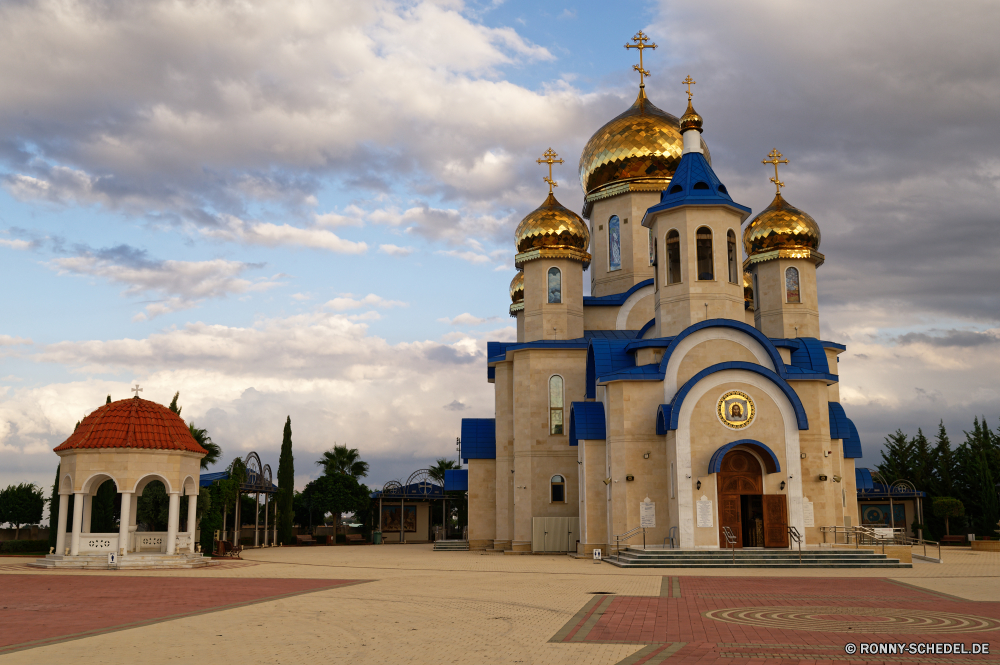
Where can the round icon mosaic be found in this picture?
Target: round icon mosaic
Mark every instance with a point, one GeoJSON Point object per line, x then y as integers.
{"type": "Point", "coordinates": [736, 410]}
{"type": "Point", "coordinates": [855, 619]}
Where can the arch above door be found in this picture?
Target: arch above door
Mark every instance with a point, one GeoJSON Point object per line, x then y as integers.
{"type": "Point", "coordinates": [771, 464]}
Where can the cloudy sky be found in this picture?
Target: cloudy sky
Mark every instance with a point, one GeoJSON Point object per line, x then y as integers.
{"type": "Point", "coordinates": [300, 208]}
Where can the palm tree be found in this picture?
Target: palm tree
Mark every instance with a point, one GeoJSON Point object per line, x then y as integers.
{"type": "Point", "coordinates": [205, 441]}
{"type": "Point", "coordinates": [341, 459]}
{"type": "Point", "coordinates": [437, 471]}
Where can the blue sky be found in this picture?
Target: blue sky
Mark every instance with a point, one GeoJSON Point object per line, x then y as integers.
{"type": "Point", "coordinates": [288, 208]}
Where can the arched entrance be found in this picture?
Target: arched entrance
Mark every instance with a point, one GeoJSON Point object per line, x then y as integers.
{"type": "Point", "coordinates": [757, 519]}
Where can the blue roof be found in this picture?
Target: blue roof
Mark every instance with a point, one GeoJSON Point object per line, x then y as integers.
{"type": "Point", "coordinates": [810, 355]}
{"type": "Point", "coordinates": [615, 299]}
{"type": "Point", "coordinates": [869, 489]}
{"type": "Point", "coordinates": [586, 421]}
{"type": "Point", "coordinates": [208, 478]}
{"type": "Point", "coordinates": [479, 438]}
{"type": "Point", "coordinates": [646, 328]}
{"type": "Point", "coordinates": [863, 480]}
{"type": "Point", "coordinates": [456, 480]}
{"type": "Point", "coordinates": [422, 490]}
{"type": "Point", "coordinates": [694, 183]}
{"type": "Point", "coordinates": [842, 427]}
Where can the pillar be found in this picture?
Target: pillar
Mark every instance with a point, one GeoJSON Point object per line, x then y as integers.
{"type": "Point", "coordinates": [63, 514]}
{"type": "Point", "coordinates": [123, 525]}
{"type": "Point", "coordinates": [172, 518]}
{"type": "Point", "coordinates": [266, 497]}
{"type": "Point", "coordinates": [74, 546]}
{"type": "Point", "coordinates": [88, 504]}
{"type": "Point", "coordinates": [191, 525]}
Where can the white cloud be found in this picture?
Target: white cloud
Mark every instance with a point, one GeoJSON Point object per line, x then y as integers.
{"type": "Point", "coordinates": [272, 235]}
{"type": "Point", "coordinates": [7, 340]}
{"type": "Point", "coordinates": [467, 319]}
{"type": "Point", "coordinates": [395, 250]}
{"type": "Point", "coordinates": [15, 244]}
{"type": "Point", "coordinates": [353, 216]}
{"type": "Point", "coordinates": [348, 302]}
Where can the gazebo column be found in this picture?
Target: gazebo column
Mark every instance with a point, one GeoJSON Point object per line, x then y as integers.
{"type": "Point", "coordinates": [123, 525]}
{"type": "Point", "coordinates": [192, 509]}
{"type": "Point", "coordinates": [63, 514]}
{"type": "Point", "coordinates": [88, 504]}
{"type": "Point", "coordinates": [74, 543]}
{"type": "Point", "coordinates": [266, 495]}
{"type": "Point", "coordinates": [172, 519]}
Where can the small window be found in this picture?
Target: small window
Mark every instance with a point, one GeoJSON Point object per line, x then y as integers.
{"type": "Point", "coordinates": [555, 285]}
{"type": "Point", "coordinates": [722, 188]}
{"type": "Point", "coordinates": [652, 248]}
{"type": "Point", "coordinates": [673, 258]}
{"type": "Point", "coordinates": [731, 245]}
{"type": "Point", "coordinates": [792, 285]}
{"type": "Point", "coordinates": [558, 485]}
{"type": "Point", "coordinates": [614, 244]}
{"type": "Point", "coordinates": [556, 405]}
{"type": "Point", "coordinates": [701, 185]}
{"type": "Point", "coordinates": [676, 189]}
{"type": "Point", "coordinates": [703, 243]}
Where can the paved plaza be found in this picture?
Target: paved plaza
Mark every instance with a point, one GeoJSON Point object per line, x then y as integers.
{"type": "Point", "coordinates": [409, 604]}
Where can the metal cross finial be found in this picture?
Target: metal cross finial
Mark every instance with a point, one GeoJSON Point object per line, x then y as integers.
{"type": "Point", "coordinates": [137, 390]}
{"type": "Point", "coordinates": [689, 82]}
{"type": "Point", "coordinates": [775, 159]}
{"type": "Point", "coordinates": [550, 159]}
{"type": "Point", "coordinates": [640, 40]}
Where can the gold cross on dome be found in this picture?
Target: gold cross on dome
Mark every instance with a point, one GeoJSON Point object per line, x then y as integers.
{"type": "Point", "coordinates": [640, 40]}
{"type": "Point", "coordinates": [689, 82]}
{"type": "Point", "coordinates": [137, 390]}
{"type": "Point", "coordinates": [550, 159]}
{"type": "Point", "coordinates": [775, 159]}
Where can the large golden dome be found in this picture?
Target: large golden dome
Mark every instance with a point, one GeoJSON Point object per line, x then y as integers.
{"type": "Point", "coordinates": [517, 288]}
{"type": "Point", "coordinates": [782, 228]}
{"type": "Point", "coordinates": [642, 146]}
{"type": "Point", "coordinates": [553, 230]}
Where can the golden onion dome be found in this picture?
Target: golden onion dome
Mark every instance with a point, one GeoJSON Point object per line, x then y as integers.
{"type": "Point", "coordinates": [517, 288]}
{"type": "Point", "coordinates": [782, 228]}
{"type": "Point", "coordinates": [643, 146]}
{"type": "Point", "coordinates": [552, 230]}
{"type": "Point", "coordinates": [691, 119]}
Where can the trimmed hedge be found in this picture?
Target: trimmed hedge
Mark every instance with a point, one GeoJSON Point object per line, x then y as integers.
{"type": "Point", "coordinates": [19, 546]}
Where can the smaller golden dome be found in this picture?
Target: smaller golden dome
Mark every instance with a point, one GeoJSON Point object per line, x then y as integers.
{"type": "Point", "coordinates": [517, 288]}
{"type": "Point", "coordinates": [782, 227]}
{"type": "Point", "coordinates": [691, 119]}
{"type": "Point", "coordinates": [554, 230]}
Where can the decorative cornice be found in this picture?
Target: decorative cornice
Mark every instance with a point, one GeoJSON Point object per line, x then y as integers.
{"type": "Point", "coordinates": [547, 253]}
{"type": "Point", "coordinates": [517, 307]}
{"type": "Point", "coordinates": [618, 187]}
{"type": "Point", "coordinates": [809, 254]}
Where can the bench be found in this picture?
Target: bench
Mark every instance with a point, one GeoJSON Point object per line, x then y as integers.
{"type": "Point", "coordinates": [355, 538]}
{"type": "Point", "coordinates": [305, 540]}
{"type": "Point", "coordinates": [952, 539]}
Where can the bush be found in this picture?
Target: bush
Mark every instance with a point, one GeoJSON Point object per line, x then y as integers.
{"type": "Point", "coordinates": [24, 546]}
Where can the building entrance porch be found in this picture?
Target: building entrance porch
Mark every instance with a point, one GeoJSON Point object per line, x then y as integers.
{"type": "Point", "coordinates": [755, 518]}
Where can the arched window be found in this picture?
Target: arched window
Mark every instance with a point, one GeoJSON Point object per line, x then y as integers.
{"type": "Point", "coordinates": [555, 285]}
{"type": "Point", "coordinates": [731, 244]}
{"type": "Point", "coordinates": [756, 293]}
{"type": "Point", "coordinates": [792, 285]}
{"type": "Point", "coordinates": [556, 405]}
{"type": "Point", "coordinates": [703, 243]}
{"type": "Point", "coordinates": [558, 484]}
{"type": "Point", "coordinates": [652, 249]}
{"type": "Point", "coordinates": [614, 243]}
{"type": "Point", "coordinates": [673, 258]}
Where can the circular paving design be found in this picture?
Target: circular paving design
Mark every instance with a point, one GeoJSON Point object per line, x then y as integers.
{"type": "Point", "coordinates": [854, 619]}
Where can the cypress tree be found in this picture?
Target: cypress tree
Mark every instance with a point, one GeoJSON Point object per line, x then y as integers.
{"type": "Point", "coordinates": [54, 510]}
{"type": "Point", "coordinates": [942, 477]}
{"type": "Point", "coordinates": [108, 400]}
{"type": "Point", "coordinates": [922, 463]}
{"type": "Point", "coordinates": [173, 404]}
{"type": "Point", "coordinates": [897, 458]}
{"type": "Point", "coordinates": [286, 485]}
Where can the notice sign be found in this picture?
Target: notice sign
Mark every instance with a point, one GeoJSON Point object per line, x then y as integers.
{"type": "Point", "coordinates": [704, 511]}
{"type": "Point", "coordinates": [808, 518]}
{"type": "Point", "coordinates": [597, 554]}
{"type": "Point", "coordinates": [647, 514]}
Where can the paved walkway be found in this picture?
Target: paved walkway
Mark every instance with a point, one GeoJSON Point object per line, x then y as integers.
{"type": "Point", "coordinates": [420, 606]}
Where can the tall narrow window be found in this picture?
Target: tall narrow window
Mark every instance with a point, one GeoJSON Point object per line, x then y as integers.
{"type": "Point", "coordinates": [556, 405]}
{"type": "Point", "coordinates": [673, 258]}
{"type": "Point", "coordinates": [671, 479]}
{"type": "Point", "coordinates": [614, 243]}
{"type": "Point", "coordinates": [703, 243]}
{"type": "Point", "coordinates": [756, 293]}
{"type": "Point", "coordinates": [792, 285]}
{"type": "Point", "coordinates": [558, 484]}
{"type": "Point", "coordinates": [652, 249]}
{"type": "Point", "coordinates": [731, 244]}
{"type": "Point", "coordinates": [555, 285]}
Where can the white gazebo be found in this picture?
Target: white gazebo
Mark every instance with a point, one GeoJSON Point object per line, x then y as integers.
{"type": "Point", "coordinates": [131, 442]}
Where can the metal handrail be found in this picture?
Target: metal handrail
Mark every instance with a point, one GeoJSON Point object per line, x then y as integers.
{"type": "Point", "coordinates": [794, 535]}
{"type": "Point", "coordinates": [629, 534]}
{"type": "Point", "coordinates": [730, 540]}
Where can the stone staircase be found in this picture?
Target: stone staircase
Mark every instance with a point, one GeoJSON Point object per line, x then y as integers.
{"type": "Point", "coordinates": [451, 546]}
{"type": "Point", "coordinates": [631, 557]}
{"type": "Point", "coordinates": [132, 561]}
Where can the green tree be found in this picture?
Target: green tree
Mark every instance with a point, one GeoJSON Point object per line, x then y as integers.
{"type": "Point", "coordinates": [941, 483]}
{"type": "Point", "coordinates": [286, 485]}
{"type": "Point", "coordinates": [54, 510]}
{"type": "Point", "coordinates": [153, 507]}
{"type": "Point", "coordinates": [173, 404]}
{"type": "Point", "coordinates": [341, 459]}
{"type": "Point", "coordinates": [948, 507]}
{"type": "Point", "coordinates": [21, 505]}
{"type": "Point", "coordinates": [205, 441]}
{"type": "Point", "coordinates": [440, 466]}
{"type": "Point", "coordinates": [897, 458]}
{"type": "Point", "coordinates": [923, 462]}
{"type": "Point", "coordinates": [108, 401]}
{"type": "Point", "coordinates": [103, 513]}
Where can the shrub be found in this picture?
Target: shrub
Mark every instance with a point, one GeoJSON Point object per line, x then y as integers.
{"type": "Point", "coordinates": [24, 546]}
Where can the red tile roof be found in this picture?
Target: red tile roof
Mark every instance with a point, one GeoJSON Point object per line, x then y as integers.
{"type": "Point", "coordinates": [133, 423]}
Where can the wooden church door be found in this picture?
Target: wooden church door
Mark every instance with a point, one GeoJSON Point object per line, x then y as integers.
{"type": "Point", "coordinates": [775, 520]}
{"type": "Point", "coordinates": [740, 474]}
